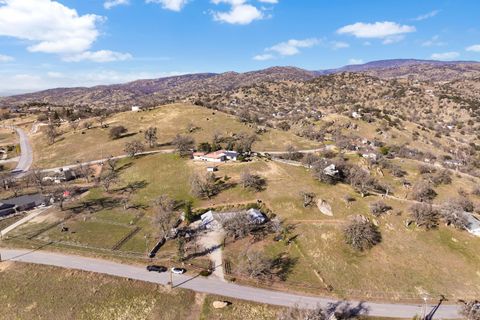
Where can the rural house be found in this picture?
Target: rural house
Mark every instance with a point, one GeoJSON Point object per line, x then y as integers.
{"type": "Point", "coordinates": [217, 156]}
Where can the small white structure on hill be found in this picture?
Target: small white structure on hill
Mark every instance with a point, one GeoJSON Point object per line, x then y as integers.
{"type": "Point", "coordinates": [217, 156]}
{"type": "Point", "coordinates": [136, 108]}
{"type": "Point", "coordinates": [474, 225]}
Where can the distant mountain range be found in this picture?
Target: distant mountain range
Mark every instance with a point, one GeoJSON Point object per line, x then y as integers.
{"type": "Point", "coordinates": [174, 88]}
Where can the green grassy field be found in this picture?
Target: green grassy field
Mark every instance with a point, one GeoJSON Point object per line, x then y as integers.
{"type": "Point", "coordinates": [170, 120]}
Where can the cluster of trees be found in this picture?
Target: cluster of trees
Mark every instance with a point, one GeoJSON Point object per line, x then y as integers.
{"type": "Point", "coordinates": [359, 178]}
{"type": "Point", "coordinates": [241, 225]}
{"type": "Point", "coordinates": [470, 309]}
{"type": "Point", "coordinates": [452, 212]}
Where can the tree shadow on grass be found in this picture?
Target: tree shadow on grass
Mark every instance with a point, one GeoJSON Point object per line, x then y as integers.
{"type": "Point", "coordinates": [95, 205]}
{"type": "Point", "coordinates": [283, 264]}
{"type": "Point", "coordinates": [346, 310]}
{"type": "Point", "coordinates": [132, 187]}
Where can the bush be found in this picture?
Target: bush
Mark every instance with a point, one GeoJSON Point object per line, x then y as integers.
{"type": "Point", "coordinates": [117, 131]}
{"type": "Point", "coordinates": [378, 208]}
{"type": "Point", "coordinates": [205, 273]}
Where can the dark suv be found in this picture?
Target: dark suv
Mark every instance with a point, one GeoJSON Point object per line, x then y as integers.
{"type": "Point", "coordinates": [156, 268]}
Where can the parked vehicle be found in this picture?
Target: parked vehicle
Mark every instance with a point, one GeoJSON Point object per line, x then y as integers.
{"type": "Point", "coordinates": [178, 270]}
{"type": "Point", "coordinates": [153, 268]}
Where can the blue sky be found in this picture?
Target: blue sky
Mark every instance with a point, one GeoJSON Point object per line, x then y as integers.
{"type": "Point", "coordinates": [47, 43]}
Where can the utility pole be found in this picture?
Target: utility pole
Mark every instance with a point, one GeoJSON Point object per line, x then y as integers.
{"type": "Point", "coordinates": [424, 307]}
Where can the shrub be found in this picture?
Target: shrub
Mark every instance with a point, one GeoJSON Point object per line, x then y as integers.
{"type": "Point", "coordinates": [117, 131]}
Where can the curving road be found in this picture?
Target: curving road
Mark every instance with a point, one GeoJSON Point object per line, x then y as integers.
{"type": "Point", "coordinates": [212, 285]}
{"type": "Point", "coordinates": [26, 157]}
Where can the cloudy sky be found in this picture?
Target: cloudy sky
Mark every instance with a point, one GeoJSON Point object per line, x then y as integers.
{"type": "Point", "coordinates": [47, 43]}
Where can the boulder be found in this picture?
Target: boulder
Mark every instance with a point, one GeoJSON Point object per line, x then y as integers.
{"type": "Point", "coordinates": [220, 304]}
{"type": "Point", "coordinates": [324, 207]}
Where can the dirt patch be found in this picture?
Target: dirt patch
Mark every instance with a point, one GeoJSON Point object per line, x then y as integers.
{"type": "Point", "coordinates": [47, 217]}
{"type": "Point", "coordinates": [5, 265]}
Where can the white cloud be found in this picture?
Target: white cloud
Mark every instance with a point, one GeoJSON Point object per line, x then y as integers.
{"type": "Point", "coordinates": [393, 39]}
{"type": "Point", "coordinates": [5, 58]}
{"type": "Point", "coordinates": [433, 42]}
{"type": "Point", "coordinates": [264, 57]}
{"type": "Point", "coordinates": [445, 55]}
{"type": "Point", "coordinates": [426, 16]}
{"type": "Point", "coordinates": [339, 45]}
{"type": "Point", "coordinates": [355, 61]}
{"type": "Point", "coordinates": [474, 48]}
{"type": "Point", "coordinates": [241, 11]}
{"type": "Point", "coordinates": [48, 25]}
{"type": "Point", "coordinates": [30, 82]}
{"type": "Point", "coordinates": [99, 56]}
{"type": "Point", "coordinates": [239, 14]}
{"type": "Point", "coordinates": [292, 47]}
{"type": "Point", "coordinates": [113, 3]}
{"type": "Point", "coordinates": [390, 32]}
{"type": "Point", "coordinates": [288, 48]}
{"type": "Point", "coordinates": [174, 5]}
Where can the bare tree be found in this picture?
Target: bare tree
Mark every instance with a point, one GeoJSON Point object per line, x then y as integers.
{"type": "Point", "coordinates": [109, 180]}
{"type": "Point", "coordinates": [164, 215]}
{"type": "Point", "coordinates": [379, 207]}
{"type": "Point", "coordinates": [183, 144]}
{"type": "Point", "coordinates": [151, 136]}
{"type": "Point", "coordinates": [238, 226]}
{"type": "Point", "coordinates": [252, 181]}
{"type": "Point", "coordinates": [296, 313]}
{"type": "Point", "coordinates": [51, 133]}
{"type": "Point", "coordinates": [111, 164]}
{"type": "Point", "coordinates": [257, 265]}
{"type": "Point", "coordinates": [74, 124]}
{"type": "Point", "coordinates": [470, 309]}
{"type": "Point", "coordinates": [204, 187]}
{"type": "Point", "coordinates": [424, 215]}
{"type": "Point", "coordinates": [422, 191]}
{"type": "Point", "coordinates": [245, 142]}
{"type": "Point", "coordinates": [36, 177]}
{"type": "Point", "coordinates": [454, 214]}
{"type": "Point", "coordinates": [85, 171]}
{"type": "Point", "coordinates": [360, 180]}
{"type": "Point", "coordinates": [101, 120]}
{"type": "Point", "coordinates": [361, 234]}
{"type": "Point", "coordinates": [133, 148]}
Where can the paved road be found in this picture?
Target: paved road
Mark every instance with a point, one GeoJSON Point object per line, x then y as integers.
{"type": "Point", "coordinates": [210, 285]}
{"type": "Point", "coordinates": [26, 156]}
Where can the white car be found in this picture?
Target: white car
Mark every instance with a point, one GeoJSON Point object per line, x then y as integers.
{"type": "Point", "coordinates": [178, 270]}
